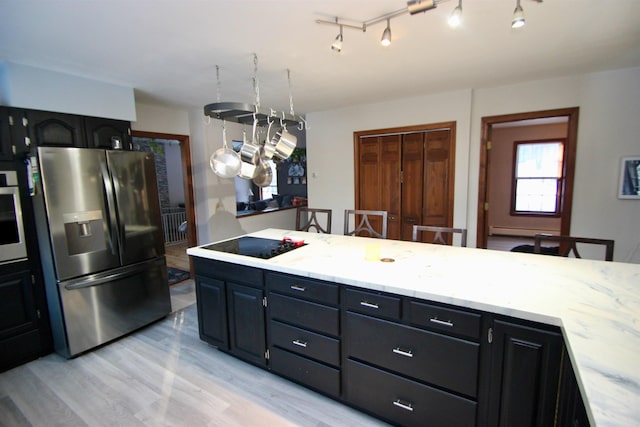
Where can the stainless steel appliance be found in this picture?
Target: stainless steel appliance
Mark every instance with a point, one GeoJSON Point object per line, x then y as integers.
{"type": "Point", "coordinates": [257, 247]}
{"type": "Point", "coordinates": [12, 244]}
{"type": "Point", "coordinates": [100, 237]}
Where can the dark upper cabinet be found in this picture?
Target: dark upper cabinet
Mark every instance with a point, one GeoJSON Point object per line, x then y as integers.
{"type": "Point", "coordinates": [107, 133]}
{"type": "Point", "coordinates": [13, 133]}
{"type": "Point", "coordinates": [524, 375]}
{"type": "Point", "coordinates": [46, 128]}
{"type": "Point", "coordinates": [6, 152]}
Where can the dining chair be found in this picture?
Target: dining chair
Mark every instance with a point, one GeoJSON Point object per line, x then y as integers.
{"type": "Point", "coordinates": [568, 244]}
{"type": "Point", "coordinates": [370, 224]}
{"type": "Point", "coordinates": [438, 236]}
{"type": "Point", "coordinates": [307, 219]}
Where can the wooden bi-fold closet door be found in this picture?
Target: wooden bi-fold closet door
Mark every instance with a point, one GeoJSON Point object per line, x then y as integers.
{"type": "Point", "coordinates": [408, 172]}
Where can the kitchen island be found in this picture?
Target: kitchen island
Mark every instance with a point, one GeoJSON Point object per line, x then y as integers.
{"type": "Point", "coordinates": [595, 304]}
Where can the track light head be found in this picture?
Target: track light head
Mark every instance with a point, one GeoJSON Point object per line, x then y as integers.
{"type": "Point", "coordinates": [518, 17]}
{"type": "Point", "coordinates": [455, 19]}
{"type": "Point", "coordinates": [336, 46]}
{"type": "Point", "coordinates": [386, 35]}
{"type": "Point", "coordinates": [417, 6]}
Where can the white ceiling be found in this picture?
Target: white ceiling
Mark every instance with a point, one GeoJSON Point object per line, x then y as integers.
{"type": "Point", "coordinates": [167, 50]}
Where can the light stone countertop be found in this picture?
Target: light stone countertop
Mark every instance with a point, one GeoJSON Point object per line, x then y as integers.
{"type": "Point", "coordinates": [595, 303]}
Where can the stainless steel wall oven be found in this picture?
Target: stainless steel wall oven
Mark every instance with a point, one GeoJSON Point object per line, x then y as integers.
{"type": "Point", "coordinates": [12, 243]}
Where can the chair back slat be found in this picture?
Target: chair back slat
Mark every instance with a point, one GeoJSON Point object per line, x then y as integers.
{"type": "Point", "coordinates": [365, 226]}
{"type": "Point", "coordinates": [568, 244]}
{"type": "Point", "coordinates": [438, 237]}
{"type": "Point", "coordinates": [307, 220]}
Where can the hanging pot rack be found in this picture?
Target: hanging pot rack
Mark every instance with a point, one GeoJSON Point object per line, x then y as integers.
{"type": "Point", "coordinates": [243, 113]}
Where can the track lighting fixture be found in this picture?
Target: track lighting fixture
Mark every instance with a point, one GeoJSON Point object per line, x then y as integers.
{"type": "Point", "coordinates": [337, 43]}
{"type": "Point", "coordinates": [386, 35]}
{"type": "Point", "coordinates": [413, 7]}
{"type": "Point", "coordinates": [518, 16]}
{"type": "Point", "coordinates": [455, 19]}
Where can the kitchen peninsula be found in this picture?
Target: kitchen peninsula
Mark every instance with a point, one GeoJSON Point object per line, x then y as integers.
{"type": "Point", "coordinates": [594, 305]}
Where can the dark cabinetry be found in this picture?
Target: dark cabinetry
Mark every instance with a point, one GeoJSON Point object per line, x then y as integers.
{"type": "Point", "coordinates": [525, 368]}
{"type": "Point", "coordinates": [406, 360]}
{"type": "Point", "coordinates": [304, 330]}
{"type": "Point", "coordinates": [231, 308]}
{"type": "Point", "coordinates": [405, 374]}
{"type": "Point", "coordinates": [5, 134]}
{"type": "Point", "coordinates": [46, 128]}
{"type": "Point", "coordinates": [13, 133]}
{"type": "Point", "coordinates": [22, 336]}
{"type": "Point", "coordinates": [107, 133]}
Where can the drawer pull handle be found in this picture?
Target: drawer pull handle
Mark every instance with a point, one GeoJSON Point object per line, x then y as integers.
{"type": "Point", "coordinates": [401, 352]}
{"type": "Point", "coordinates": [299, 343]}
{"type": "Point", "coordinates": [298, 288]}
{"type": "Point", "coordinates": [406, 406]}
{"type": "Point", "coordinates": [369, 305]}
{"type": "Point", "coordinates": [441, 322]}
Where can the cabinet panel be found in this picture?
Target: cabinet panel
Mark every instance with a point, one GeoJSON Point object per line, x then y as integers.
{"type": "Point", "coordinates": [390, 164]}
{"type": "Point", "coordinates": [450, 321]}
{"type": "Point", "coordinates": [212, 311]}
{"type": "Point", "coordinates": [405, 402]}
{"type": "Point", "coordinates": [17, 307]}
{"type": "Point", "coordinates": [438, 174]}
{"type": "Point", "coordinates": [372, 303]}
{"type": "Point", "coordinates": [313, 374]}
{"type": "Point", "coordinates": [306, 343]}
{"type": "Point", "coordinates": [107, 133]}
{"type": "Point", "coordinates": [55, 129]}
{"type": "Point", "coordinates": [412, 173]}
{"type": "Point", "coordinates": [437, 359]}
{"type": "Point", "coordinates": [246, 323]}
{"type": "Point", "coordinates": [368, 174]}
{"type": "Point", "coordinates": [300, 287]}
{"type": "Point", "coordinates": [6, 152]}
{"type": "Point", "coordinates": [524, 375]}
{"type": "Point", "coordinates": [306, 314]}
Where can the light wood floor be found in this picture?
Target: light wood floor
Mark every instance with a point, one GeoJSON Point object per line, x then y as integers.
{"type": "Point", "coordinates": [176, 256]}
{"type": "Point", "coordinates": [163, 375]}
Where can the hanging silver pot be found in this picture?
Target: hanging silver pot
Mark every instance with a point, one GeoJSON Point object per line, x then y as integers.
{"type": "Point", "coordinates": [281, 145]}
{"type": "Point", "coordinates": [264, 174]}
{"type": "Point", "coordinates": [249, 155]}
{"type": "Point", "coordinates": [225, 162]}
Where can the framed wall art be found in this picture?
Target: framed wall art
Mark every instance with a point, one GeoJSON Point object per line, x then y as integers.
{"type": "Point", "coordinates": [629, 187]}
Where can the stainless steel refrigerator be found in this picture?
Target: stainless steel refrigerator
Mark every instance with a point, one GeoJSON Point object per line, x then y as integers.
{"type": "Point", "coordinates": [100, 237]}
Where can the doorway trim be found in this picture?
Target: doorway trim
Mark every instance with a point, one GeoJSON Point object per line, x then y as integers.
{"type": "Point", "coordinates": [187, 181]}
{"type": "Point", "coordinates": [566, 201]}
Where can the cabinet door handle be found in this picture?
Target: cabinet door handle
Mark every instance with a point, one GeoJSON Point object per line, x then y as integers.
{"type": "Point", "coordinates": [404, 405]}
{"type": "Point", "coordinates": [299, 343]}
{"type": "Point", "coordinates": [369, 305]}
{"type": "Point", "coordinates": [441, 322]}
{"type": "Point", "coordinates": [298, 288]}
{"type": "Point", "coordinates": [401, 352]}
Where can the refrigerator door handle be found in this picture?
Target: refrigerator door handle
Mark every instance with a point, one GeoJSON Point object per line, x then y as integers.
{"type": "Point", "coordinates": [111, 208]}
{"type": "Point", "coordinates": [100, 279]}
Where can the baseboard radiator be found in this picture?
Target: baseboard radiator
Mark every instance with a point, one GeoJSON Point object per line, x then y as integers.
{"type": "Point", "coordinates": [517, 232]}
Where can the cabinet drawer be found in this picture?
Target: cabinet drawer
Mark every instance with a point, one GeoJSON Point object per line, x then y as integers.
{"type": "Point", "coordinates": [405, 402]}
{"type": "Point", "coordinates": [448, 320]}
{"type": "Point", "coordinates": [306, 343]}
{"type": "Point", "coordinates": [313, 374]}
{"type": "Point", "coordinates": [300, 287]}
{"type": "Point", "coordinates": [437, 359]}
{"type": "Point", "coordinates": [306, 314]}
{"type": "Point", "coordinates": [372, 303]}
{"type": "Point", "coordinates": [227, 271]}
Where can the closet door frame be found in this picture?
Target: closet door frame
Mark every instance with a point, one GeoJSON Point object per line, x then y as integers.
{"type": "Point", "coordinates": [451, 126]}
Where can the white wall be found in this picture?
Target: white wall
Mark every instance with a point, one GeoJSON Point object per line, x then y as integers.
{"type": "Point", "coordinates": [215, 196]}
{"type": "Point", "coordinates": [35, 88]}
{"type": "Point", "coordinates": [330, 146]}
{"type": "Point", "coordinates": [608, 129]}
{"type": "Point", "coordinates": [174, 172]}
{"type": "Point", "coordinates": [154, 118]}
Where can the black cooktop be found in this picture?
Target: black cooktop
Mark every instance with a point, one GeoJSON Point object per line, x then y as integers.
{"type": "Point", "coordinates": [257, 247]}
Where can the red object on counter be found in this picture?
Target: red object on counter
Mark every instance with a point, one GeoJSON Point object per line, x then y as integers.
{"type": "Point", "coordinates": [296, 242]}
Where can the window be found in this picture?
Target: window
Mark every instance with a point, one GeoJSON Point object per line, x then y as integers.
{"type": "Point", "coordinates": [537, 177]}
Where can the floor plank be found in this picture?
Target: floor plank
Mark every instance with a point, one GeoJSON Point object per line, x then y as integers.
{"type": "Point", "coordinates": [162, 375]}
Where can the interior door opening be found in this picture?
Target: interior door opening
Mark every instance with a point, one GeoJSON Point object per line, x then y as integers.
{"type": "Point", "coordinates": [502, 225]}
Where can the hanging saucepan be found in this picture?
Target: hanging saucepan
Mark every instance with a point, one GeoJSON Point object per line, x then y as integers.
{"type": "Point", "coordinates": [264, 174]}
{"type": "Point", "coordinates": [249, 154]}
{"type": "Point", "coordinates": [225, 162]}
{"type": "Point", "coordinates": [282, 144]}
